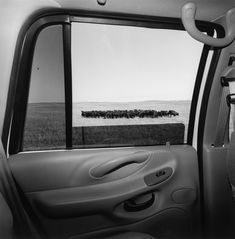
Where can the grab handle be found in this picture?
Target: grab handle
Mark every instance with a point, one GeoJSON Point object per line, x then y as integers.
{"type": "Point", "coordinates": [188, 19]}
{"type": "Point", "coordinates": [117, 163]}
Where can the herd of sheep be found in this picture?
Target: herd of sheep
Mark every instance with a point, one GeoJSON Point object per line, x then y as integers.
{"type": "Point", "coordinates": [129, 114]}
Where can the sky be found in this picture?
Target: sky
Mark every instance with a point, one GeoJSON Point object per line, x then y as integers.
{"type": "Point", "coordinates": [47, 75]}
{"type": "Point", "coordinates": [116, 64]}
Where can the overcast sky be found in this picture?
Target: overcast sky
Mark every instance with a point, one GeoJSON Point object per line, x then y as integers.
{"type": "Point", "coordinates": [47, 77]}
{"type": "Point", "coordinates": [116, 64]}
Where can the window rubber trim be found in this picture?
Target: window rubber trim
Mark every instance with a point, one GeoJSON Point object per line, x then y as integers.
{"type": "Point", "coordinates": [68, 85]}
{"type": "Point", "coordinates": [202, 121]}
{"type": "Point", "coordinates": [20, 78]}
{"type": "Point", "coordinates": [196, 92]}
{"type": "Point", "coordinates": [19, 86]}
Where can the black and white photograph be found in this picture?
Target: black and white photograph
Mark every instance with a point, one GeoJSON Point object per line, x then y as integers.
{"type": "Point", "coordinates": [117, 119]}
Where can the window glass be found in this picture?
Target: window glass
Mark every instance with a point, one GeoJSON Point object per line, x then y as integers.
{"type": "Point", "coordinates": [131, 85]}
{"type": "Point", "coordinates": [45, 119]}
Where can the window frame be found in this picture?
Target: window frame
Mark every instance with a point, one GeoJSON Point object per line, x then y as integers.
{"type": "Point", "coordinates": [17, 101]}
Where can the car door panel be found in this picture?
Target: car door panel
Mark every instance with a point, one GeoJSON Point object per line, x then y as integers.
{"type": "Point", "coordinates": [64, 193]}
{"type": "Point", "coordinates": [170, 223]}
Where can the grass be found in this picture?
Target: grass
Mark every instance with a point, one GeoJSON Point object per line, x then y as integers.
{"type": "Point", "coordinates": [128, 135]}
{"type": "Point", "coordinates": [45, 126]}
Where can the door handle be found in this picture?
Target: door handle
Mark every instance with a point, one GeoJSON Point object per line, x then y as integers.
{"type": "Point", "coordinates": [139, 203]}
{"type": "Point", "coordinates": [117, 163]}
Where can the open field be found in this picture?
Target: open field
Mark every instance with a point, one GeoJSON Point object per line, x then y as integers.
{"type": "Point", "coordinates": [45, 125]}
{"type": "Point", "coordinates": [128, 135]}
{"type": "Point", "coordinates": [182, 107]}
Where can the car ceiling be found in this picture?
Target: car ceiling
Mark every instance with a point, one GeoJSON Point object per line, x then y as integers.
{"type": "Point", "coordinates": [207, 9]}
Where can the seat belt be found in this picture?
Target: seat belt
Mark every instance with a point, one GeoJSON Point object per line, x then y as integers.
{"type": "Point", "coordinates": [21, 224]}
{"type": "Point", "coordinates": [227, 109]}
{"type": "Point", "coordinates": [227, 100]}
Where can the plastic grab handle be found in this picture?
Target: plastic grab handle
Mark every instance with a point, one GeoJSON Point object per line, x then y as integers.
{"type": "Point", "coordinates": [117, 163]}
{"type": "Point", "coordinates": [188, 19]}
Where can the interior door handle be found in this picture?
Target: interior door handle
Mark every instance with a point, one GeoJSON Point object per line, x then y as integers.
{"type": "Point", "coordinates": [117, 163]}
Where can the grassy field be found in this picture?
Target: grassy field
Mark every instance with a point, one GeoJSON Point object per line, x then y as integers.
{"type": "Point", "coordinates": [182, 107]}
{"type": "Point", "coordinates": [128, 135]}
{"type": "Point", "coordinates": [45, 125]}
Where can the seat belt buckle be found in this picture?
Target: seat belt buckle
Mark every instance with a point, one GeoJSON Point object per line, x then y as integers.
{"type": "Point", "coordinates": [230, 98]}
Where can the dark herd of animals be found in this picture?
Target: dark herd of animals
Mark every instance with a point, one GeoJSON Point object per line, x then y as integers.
{"type": "Point", "coordinates": [129, 114]}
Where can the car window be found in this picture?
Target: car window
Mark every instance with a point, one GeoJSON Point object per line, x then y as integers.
{"type": "Point", "coordinates": [130, 86]}
{"type": "Point", "coordinates": [45, 118]}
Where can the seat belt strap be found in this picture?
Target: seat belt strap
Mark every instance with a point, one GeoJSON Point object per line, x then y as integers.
{"type": "Point", "coordinates": [227, 109]}
{"type": "Point", "coordinates": [228, 87]}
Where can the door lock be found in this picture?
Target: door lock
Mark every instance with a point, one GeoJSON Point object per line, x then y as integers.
{"type": "Point", "coordinates": [158, 177]}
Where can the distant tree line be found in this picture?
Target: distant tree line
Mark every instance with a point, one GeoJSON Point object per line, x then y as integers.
{"type": "Point", "coordinates": [129, 114]}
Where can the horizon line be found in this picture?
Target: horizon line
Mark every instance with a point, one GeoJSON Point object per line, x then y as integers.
{"type": "Point", "coordinates": [111, 102]}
